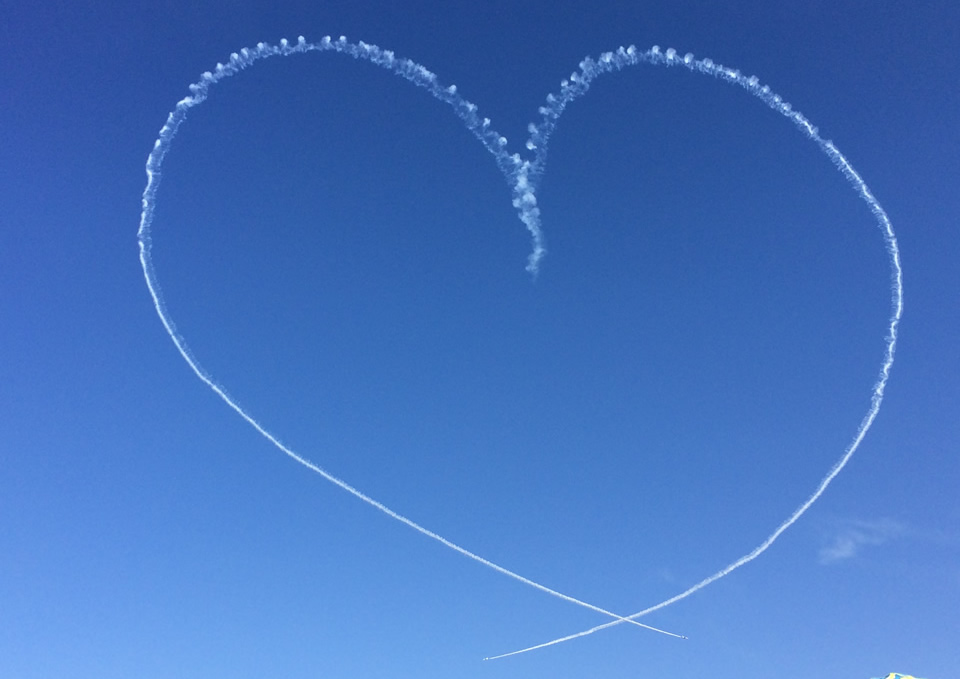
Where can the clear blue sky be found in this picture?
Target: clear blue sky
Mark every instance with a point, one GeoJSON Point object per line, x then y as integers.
{"type": "Point", "coordinates": [342, 255]}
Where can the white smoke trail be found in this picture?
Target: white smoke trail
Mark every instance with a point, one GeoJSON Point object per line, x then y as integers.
{"type": "Point", "coordinates": [416, 74]}
{"type": "Point", "coordinates": [577, 86]}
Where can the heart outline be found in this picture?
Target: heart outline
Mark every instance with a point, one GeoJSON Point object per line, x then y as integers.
{"type": "Point", "coordinates": [523, 176]}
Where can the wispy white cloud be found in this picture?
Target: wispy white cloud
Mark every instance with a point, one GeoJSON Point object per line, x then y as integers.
{"type": "Point", "coordinates": [667, 575]}
{"type": "Point", "coordinates": [851, 536]}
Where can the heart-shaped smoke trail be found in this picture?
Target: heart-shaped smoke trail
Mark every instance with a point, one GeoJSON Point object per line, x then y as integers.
{"type": "Point", "coordinates": [523, 177]}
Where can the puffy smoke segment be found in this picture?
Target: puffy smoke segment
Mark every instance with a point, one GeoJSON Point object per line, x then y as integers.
{"type": "Point", "coordinates": [577, 86]}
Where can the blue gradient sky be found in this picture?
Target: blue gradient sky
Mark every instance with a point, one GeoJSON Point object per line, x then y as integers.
{"type": "Point", "coordinates": [342, 255]}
